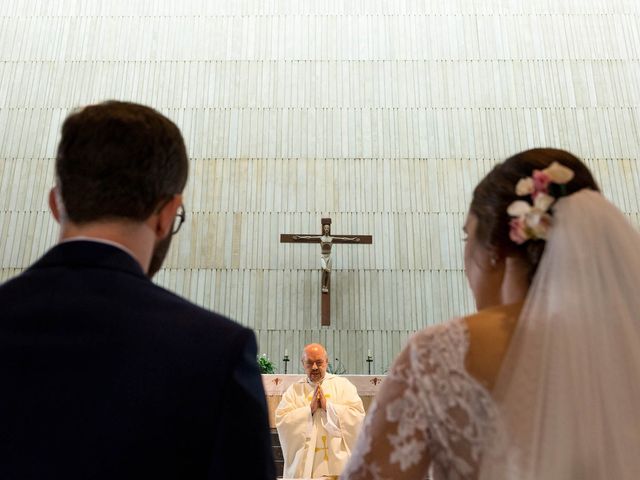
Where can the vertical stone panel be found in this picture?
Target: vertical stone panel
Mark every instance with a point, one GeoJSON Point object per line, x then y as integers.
{"type": "Point", "coordinates": [382, 115]}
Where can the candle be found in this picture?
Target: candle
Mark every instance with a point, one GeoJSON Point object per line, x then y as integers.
{"type": "Point", "coordinates": [369, 354]}
{"type": "Point", "coordinates": [286, 352]}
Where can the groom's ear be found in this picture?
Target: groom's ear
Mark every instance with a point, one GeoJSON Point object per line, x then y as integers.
{"type": "Point", "coordinates": [161, 222]}
{"type": "Point", "coordinates": [55, 204]}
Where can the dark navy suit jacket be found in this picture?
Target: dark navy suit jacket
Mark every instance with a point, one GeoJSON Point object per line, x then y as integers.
{"type": "Point", "coordinates": [104, 375]}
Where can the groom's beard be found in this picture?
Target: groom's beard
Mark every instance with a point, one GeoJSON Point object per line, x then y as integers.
{"type": "Point", "coordinates": [159, 253]}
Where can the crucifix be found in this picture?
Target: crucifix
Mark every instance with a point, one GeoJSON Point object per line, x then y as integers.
{"type": "Point", "coordinates": [326, 240]}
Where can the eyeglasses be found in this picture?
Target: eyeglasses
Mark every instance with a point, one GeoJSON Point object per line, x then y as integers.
{"type": "Point", "coordinates": [181, 216]}
{"type": "Point", "coordinates": [319, 363]}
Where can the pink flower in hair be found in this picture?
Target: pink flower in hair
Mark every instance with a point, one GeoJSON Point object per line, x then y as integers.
{"type": "Point", "coordinates": [533, 221]}
{"type": "Point", "coordinates": [541, 181]}
{"type": "Point", "coordinates": [518, 230]}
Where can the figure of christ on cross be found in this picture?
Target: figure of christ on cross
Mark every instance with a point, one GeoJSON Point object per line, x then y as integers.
{"type": "Point", "coordinates": [326, 241]}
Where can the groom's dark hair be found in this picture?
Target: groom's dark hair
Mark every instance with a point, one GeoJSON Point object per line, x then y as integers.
{"type": "Point", "coordinates": [119, 160]}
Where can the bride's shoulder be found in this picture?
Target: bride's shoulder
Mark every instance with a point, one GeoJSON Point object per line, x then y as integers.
{"type": "Point", "coordinates": [443, 341]}
{"type": "Point", "coordinates": [455, 327]}
{"type": "Point", "coordinates": [490, 332]}
{"type": "Point", "coordinates": [502, 317]}
{"type": "Point", "coordinates": [487, 323]}
{"type": "Point", "coordinates": [475, 342]}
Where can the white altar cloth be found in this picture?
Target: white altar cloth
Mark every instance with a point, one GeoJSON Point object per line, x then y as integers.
{"type": "Point", "coordinates": [276, 384]}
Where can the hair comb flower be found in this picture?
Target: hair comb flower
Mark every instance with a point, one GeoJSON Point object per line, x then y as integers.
{"type": "Point", "coordinates": [532, 220]}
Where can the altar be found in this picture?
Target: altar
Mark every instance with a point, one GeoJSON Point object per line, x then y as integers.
{"type": "Point", "coordinates": [275, 386]}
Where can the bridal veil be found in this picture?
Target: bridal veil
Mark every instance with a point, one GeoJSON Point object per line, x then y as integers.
{"type": "Point", "coordinates": [569, 387]}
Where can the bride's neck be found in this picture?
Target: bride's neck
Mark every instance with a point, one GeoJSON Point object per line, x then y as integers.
{"type": "Point", "coordinates": [515, 283]}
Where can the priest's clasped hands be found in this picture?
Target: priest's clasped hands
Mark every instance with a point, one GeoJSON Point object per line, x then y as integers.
{"type": "Point", "coordinates": [318, 400]}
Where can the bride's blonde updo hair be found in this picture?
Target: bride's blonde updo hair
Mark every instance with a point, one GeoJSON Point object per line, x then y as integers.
{"type": "Point", "coordinates": [495, 192]}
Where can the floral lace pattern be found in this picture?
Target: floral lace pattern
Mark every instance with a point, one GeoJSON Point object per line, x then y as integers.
{"type": "Point", "coordinates": [430, 411]}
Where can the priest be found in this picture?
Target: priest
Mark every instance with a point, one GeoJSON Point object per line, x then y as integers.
{"type": "Point", "coordinates": [318, 419]}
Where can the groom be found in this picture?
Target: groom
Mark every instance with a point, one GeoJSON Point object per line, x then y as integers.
{"type": "Point", "coordinates": [104, 375]}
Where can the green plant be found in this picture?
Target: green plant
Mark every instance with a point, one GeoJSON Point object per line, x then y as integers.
{"type": "Point", "coordinates": [265, 365]}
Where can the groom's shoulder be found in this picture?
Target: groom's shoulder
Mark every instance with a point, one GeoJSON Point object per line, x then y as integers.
{"type": "Point", "coordinates": [187, 313]}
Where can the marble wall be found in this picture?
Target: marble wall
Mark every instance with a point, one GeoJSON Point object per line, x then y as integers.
{"type": "Point", "coordinates": [379, 114]}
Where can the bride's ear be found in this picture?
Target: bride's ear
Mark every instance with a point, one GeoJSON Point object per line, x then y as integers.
{"type": "Point", "coordinates": [496, 258]}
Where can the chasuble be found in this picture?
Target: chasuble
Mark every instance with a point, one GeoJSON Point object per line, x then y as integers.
{"type": "Point", "coordinates": [318, 444]}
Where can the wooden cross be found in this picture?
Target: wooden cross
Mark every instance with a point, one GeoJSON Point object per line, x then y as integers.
{"type": "Point", "coordinates": [326, 240]}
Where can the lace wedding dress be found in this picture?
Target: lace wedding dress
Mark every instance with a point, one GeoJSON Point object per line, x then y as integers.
{"type": "Point", "coordinates": [434, 411]}
{"type": "Point", "coordinates": [566, 404]}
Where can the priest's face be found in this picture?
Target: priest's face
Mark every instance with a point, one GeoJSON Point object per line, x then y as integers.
{"type": "Point", "coordinates": [315, 363]}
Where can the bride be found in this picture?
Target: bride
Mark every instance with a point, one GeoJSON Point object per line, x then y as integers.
{"type": "Point", "coordinates": [544, 381]}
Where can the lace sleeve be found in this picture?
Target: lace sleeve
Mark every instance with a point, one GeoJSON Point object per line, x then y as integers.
{"type": "Point", "coordinates": [393, 443]}
{"type": "Point", "coordinates": [429, 411]}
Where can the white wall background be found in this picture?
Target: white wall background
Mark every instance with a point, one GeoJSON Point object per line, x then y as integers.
{"type": "Point", "coordinates": [380, 114]}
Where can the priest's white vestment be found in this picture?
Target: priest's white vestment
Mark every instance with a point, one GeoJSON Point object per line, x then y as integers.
{"type": "Point", "coordinates": [320, 444]}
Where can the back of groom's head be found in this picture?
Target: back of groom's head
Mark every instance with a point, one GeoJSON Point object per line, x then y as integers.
{"type": "Point", "coordinates": [118, 160]}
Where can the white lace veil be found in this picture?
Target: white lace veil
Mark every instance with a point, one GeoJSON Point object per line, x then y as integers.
{"type": "Point", "coordinates": [569, 388]}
